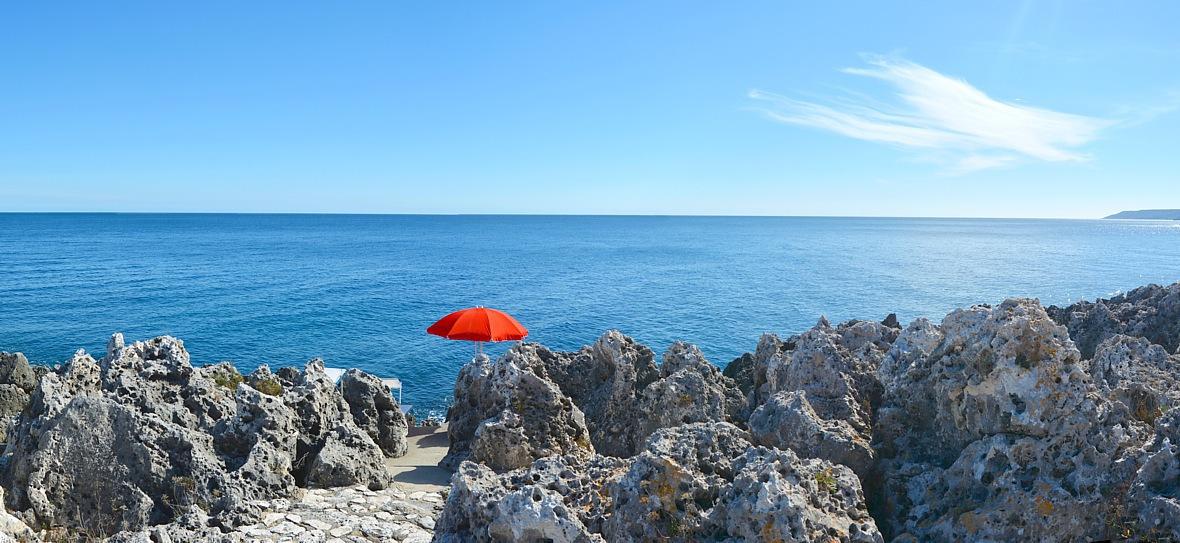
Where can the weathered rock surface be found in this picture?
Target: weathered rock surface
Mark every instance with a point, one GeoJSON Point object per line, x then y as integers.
{"type": "Point", "coordinates": [696, 482]}
{"type": "Point", "coordinates": [787, 421]}
{"type": "Point", "coordinates": [17, 381]}
{"type": "Point", "coordinates": [1151, 312]}
{"type": "Point", "coordinates": [606, 381]}
{"type": "Point", "coordinates": [606, 398]}
{"type": "Point", "coordinates": [141, 437]}
{"type": "Point", "coordinates": [505, 416]}
{"type": "Point", "coordinates": [375, 411]}
{"type": "Point", "coordinates": [1000, 434]}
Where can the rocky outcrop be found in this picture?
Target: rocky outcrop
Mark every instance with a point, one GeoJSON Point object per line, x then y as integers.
{"type": "Point", "coordinates": [787, 421]}
{"type": "Point", "coordinates": [534, 402]}
{"type": "Point", "coordinates": [696, 482]}
{"type": "Point", "coordinates": [606, 381]}
{"type": "Point", "coordinates": [17, 381]}
{"type": "Point", "coordinates": [375, 411]}
{"type": "Point", "coordinates": [1137, 373]}
{"type": "Point", "coordinates": [689, 390]}
{"type": "Point", "coordinates": [505, 416]}
{"type": "Point", "coordinates": [1151, 312]}
{"type": "Point", "coordinates": [999, 434]}
{"type": "Point", "coordinates": [142, 437]}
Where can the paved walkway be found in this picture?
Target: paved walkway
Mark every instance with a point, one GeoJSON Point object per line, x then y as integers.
{"type": "Point", "coordinates": [418, 470]}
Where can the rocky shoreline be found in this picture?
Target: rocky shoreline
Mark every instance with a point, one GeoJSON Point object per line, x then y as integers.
{"type": "Point", "coordinates": [1012, 422]}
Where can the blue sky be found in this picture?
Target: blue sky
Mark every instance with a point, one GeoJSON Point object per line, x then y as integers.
{"type": "Point", "coordinates": [1025, 109]}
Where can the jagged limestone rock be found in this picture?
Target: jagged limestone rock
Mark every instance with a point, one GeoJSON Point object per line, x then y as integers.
{"type": "Point", "coordinates": [375, 411]}
{"type": "Point", "coordinates": [696, 482]}
{"type": "Point", "coordinates": [142, 437]}
{"type": "Point", "coordinates": [787, 421]}
{"type": "Point", "coordinates": [1151, 312]}
{"type": "Point", "coordinates": [506, 416]}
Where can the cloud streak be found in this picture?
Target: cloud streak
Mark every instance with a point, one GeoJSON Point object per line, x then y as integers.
{"type": "Point", "coordinates": [942, 117]}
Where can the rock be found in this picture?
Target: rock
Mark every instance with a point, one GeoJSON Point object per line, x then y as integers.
{"type": "Point", "coordinates": [690, 483]}
{"type": "Point", "coordinates": [1151, 509]}
{"type": "Point", "coordinates": [506, 416]}
{"type": "Point", "coordinates": [13, 400]}
{"type": "Point", "coordinates": [15, 370]}
{"type": "Point", "coordinates": [190, 527]}
{"type": "Point", "coordinates": [323, 418]}
{"type": "Point", "coordinates": [348, 457]}
{"type": "Point", "coordinates": [1151, 312]}
{"type": "Point", "coordinates": [741, 370]}
{"type": "Point", "coordinates": [787, 421]}
{"type": "Point", "coordinates": [375, 411]}
{"type": "Point", "coordinates": [605, 380]}
{"type": "Point", "coordinates": [689, 390]}
{"type": "Point", "coordinates": [999, 434]}
{"type": "Point", "coordinates": [11, 527]}
{"type": "Point", "coordinates": [669, 489]}
{"type": "Point", "coordinates": [142, 437]}
{"type": "Point", "coordinates": [1137, 373]}
{"type": "Point", "coordinates": [836, 368]}
{"type": "Point", "coordinates": [776, 496]}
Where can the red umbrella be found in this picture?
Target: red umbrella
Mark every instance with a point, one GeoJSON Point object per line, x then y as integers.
{"type": "Point", "coordinates": [478, 324]}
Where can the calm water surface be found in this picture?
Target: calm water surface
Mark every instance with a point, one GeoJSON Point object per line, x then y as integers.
{"type": "Point", "coordinates": [360, 290]}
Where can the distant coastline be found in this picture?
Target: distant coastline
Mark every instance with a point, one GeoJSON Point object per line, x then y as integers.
{"type": "Point", "coordinates": [1156, 214]}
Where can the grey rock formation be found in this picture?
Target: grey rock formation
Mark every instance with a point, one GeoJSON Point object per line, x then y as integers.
{"type": "Point", "coordinates": [17, 381]}
{"type": "Point", "coordinates": [375, 411]}
{"type": "Point", "coordinates": [999, 433]}
{"type": "Point", "coordinates": [348, 456]}
{"type": "Point", "coordinates": [505, 416]}
{"type": "Point", "coordinates": [141, 437]}
{"type": "Point", "coordinates": [605, 380]}
{"type": "Point", "coordinates": [15, 370]}
{"type": "Point", "coordinates": [776, 496]}
{"type": "Point", "coordinates": [787, 421]}
{"type": "Point", "coordinates": [1139, 374]}
{"type": "Point", "coordinates": [1151, 312]}
{"type": "Point", "coordinates": [323, 420]}
{"type": "Point", "coordinates": [696, 482]}
{"type": "Point", "coordinates": [689, 390]}
{"type": "Point", "coordinates": [741, 370]}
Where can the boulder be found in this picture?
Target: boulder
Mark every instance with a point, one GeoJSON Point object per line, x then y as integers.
{"type": "Point", "coordinates": [13, 400]}
{"type": "Point", "coordinates": [1138, 373]}
{"type": "Point", "coordinates": [1151, 312]}
{"type": "Point", "coordinates": [696, 482]}
{"type": "Point", "coordinates": [689, 390]}
{"type": "Point", "coordinates": [741, 370]}
{"type": "Point", "coordinates": [375, 411]}
{"type": "Point", "coordinates": [15, 370]}
{"type": "Point", "coordinates": [141, 437]}
{"type": "Point", "coordinates": [505, 416]}
{"type": "Point", "coordinates": [348, 457]}
{"type": "Point", "coordinates": [776, 496]}
{"type": "Point", "coordinates": [787, 421]}
{"type": "Point", "coordinates": [998, 433]}
{"type": "Point", "coordinates": [605, 380]}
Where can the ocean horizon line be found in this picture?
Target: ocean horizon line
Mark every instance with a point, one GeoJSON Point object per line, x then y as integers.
{"type": "Point", "coordinates": [554, 215]}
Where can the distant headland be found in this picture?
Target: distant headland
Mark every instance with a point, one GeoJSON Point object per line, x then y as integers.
{"type": "Point", "coordinates": [1158, 214]}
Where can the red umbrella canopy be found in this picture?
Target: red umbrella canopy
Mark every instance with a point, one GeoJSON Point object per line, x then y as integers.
{"type": "Point", "coordinates": [478, 324]}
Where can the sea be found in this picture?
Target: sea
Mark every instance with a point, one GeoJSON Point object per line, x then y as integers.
{"type": "Point", "coordinates": [360, 290]}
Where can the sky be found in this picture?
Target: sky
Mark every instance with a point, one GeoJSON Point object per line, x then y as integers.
{"type": "Point", "coordinates": [978, 109]}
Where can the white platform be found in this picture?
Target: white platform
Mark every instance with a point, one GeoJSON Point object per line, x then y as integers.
{"type": "Point", "coordinates": [390, 383]}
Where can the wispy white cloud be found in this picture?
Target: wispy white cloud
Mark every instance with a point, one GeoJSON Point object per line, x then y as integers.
{"type": "Point", "coordinates": [943, 117]}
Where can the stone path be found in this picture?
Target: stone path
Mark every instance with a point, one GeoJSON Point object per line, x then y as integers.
{"type": "Point", "coordinates": [418, 469]}
{"type": "Point", "coordinates": [349, 515]}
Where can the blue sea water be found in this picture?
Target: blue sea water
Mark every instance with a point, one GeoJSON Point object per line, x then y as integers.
{"type": "Point", "coordinates": [360, 290]}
